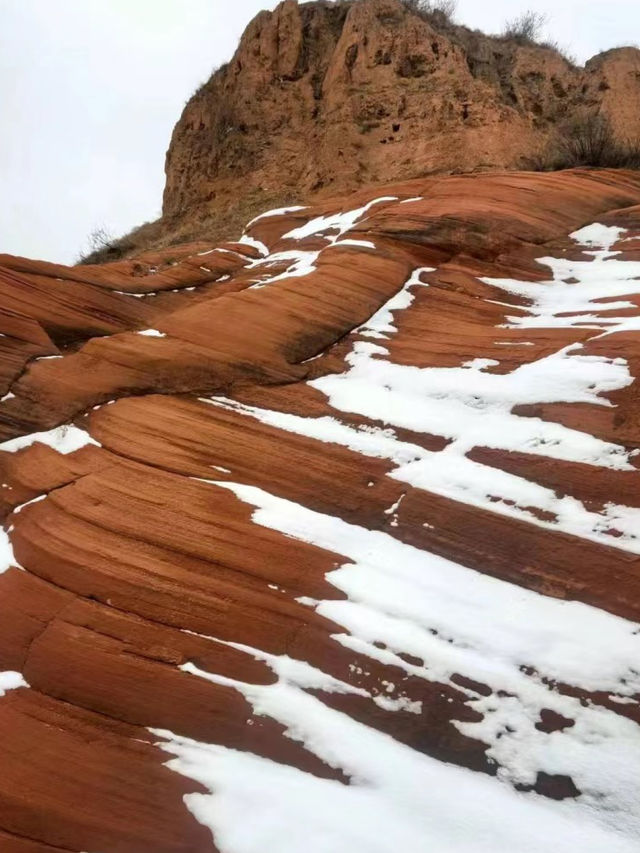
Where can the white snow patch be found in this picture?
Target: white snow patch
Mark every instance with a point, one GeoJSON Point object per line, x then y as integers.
{"type": "Point", "coordinates": [65, 439]}
{"type": "Point", "coordinates": [251, 241]}
{"type": "Point", "coordinates": [515, 641]}
{"type": "Point", "coordinates": [399, 800]}
{"type": "Point", "coordinates": [278, 211]}
{"type": "Point", "coordinates": [364, 244]}
{"type": "Point", "coordinates": [35, 500]}
{"type": "Point", "coordinates": [10, 680]}
{"type": "Point", "coordinates": [563, 303]}
{"type": "Point", "coordinates": [380, 324]}
{"type": "Point", "coordinates": [340, 222]}
{"type": "Point", "coordinates": [300, 264]}
{"type": "Point", "coordinates": [598, 236]}
{"type": "Point", "coordinates": [7, 558]}
{"type": "Point", "coordinates": [471, 407]}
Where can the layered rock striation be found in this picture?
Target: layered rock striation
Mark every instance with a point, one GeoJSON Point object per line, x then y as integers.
{"type": "Point", "coordinates": [328, 538]}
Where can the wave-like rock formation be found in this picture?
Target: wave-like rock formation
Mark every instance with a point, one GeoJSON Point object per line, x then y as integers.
{"type": "Point", "coordinates": [328, 539]}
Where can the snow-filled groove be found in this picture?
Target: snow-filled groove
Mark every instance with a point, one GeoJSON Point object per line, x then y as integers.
{"type": "Point", "coordinates": [472, 407]}
{"type": "Point", "coordinates": [351, 565]}
{"type": "Point", "coordinates": [403, 604]}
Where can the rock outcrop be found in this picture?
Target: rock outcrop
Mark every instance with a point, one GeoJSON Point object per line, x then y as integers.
{"type": "Point", "coordinates": [328, 538]}
{"type": "Point", "coordinates": [324, 98]}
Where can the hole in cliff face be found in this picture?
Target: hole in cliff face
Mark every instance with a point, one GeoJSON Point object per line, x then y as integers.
{"type": "Point", "coordinates": [558, 88]}
{"type": "Point", "coordinates": [465, 112]}
{"type": "Point", "coordinates": [382, 57]}
{"type": "Point", "coordinates": [412, 66]}
{"type": "Point", "coordinates": [435, 47]}
{"type": "Point", "coordinates": [389, 19]}
{"type": "Point", "coordinates": [317, 80]}
{"type": "Point", "coordinates": [395, 127]}
{"type": "Point", "coordinates": [350, 56]}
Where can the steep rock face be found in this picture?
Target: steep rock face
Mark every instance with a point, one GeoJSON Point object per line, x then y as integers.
{"type": "Point", "coordinates": [329, 97]}
{"type": "Point", "coordinates": [329, 538]}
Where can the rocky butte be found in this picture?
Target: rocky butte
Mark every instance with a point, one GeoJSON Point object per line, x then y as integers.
{"type": "Point", "coordinates": [326, 537]}
{"type": "Point", "coordinates": [324, 98]}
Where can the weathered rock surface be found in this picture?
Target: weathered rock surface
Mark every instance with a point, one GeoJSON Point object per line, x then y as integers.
{"type": "Point", "coordinates": [378, 436]}
{"type": "Point", "coordinates": [324, 98]}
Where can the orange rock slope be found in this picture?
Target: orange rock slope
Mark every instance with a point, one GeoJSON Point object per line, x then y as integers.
{"type": "Point", "coordinates": [327, 539]}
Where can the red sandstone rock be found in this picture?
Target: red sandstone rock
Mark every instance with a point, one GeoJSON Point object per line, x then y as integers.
{"type": "Point", "coordinates": [137, 560]}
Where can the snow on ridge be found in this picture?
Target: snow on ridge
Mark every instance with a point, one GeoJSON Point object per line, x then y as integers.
{"type": "Point", "coordinates": [472, 407]}
{"type": "Point", "coordinates": [400, 600]}
{"type": "Point", "coordinates": [251, 241]}
{"type": "Point", "coordinates": [598, 236]}
{"type": "Point", "coordinates": [7, 557]}
{"type": "Point", "coordinates": [10, 680]}
{"type": "Point", "coordinates": [400, 800]}
{"type": "Point", "coordinates": [65, 439]}
{"type": "Point", "coordinates": [381, 322]}
{"type": "Point", "coordinates": [302, 263]}
{"type": "Point", "coordinates": [278, 211]}
{"type": "Point", "coordinates": [363, 244]}
{"type": "Point", "coordinates": [403, 604]}
{"type": "Point", "coordinates": [562, 302]}
{"type": "Point", "coordinates": [341, 222]}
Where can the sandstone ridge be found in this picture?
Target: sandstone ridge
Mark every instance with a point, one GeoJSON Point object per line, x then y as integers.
{"type": "Point", "coordinates": [329, 533]}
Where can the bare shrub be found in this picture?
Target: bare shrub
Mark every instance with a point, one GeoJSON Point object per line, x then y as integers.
{"type": "Point", "coordinates": [99, 239]}
{"type": "Point", "coordinates": [102, 246]}
{"type": "Point", "coordinates": [589, 140]}
{"type": "Point", "coordinates": [438, 11]}
{"type": "Point", "coordinates": [563, 51]}
{"type": "Point", "coordinates": [525, 28]}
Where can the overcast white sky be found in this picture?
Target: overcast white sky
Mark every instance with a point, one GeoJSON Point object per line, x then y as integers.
{"type": "Point", "coordinates": [90, 91]}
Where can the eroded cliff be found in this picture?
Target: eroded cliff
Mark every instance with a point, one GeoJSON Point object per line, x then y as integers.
{"type": "Point", "coordinates": [328, 97]}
